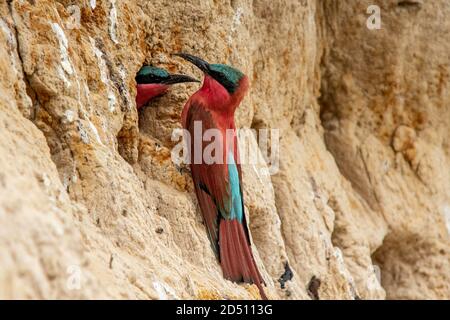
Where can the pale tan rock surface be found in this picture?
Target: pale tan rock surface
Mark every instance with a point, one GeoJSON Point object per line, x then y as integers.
{"type": "Point", "coordinates": [92, 206]}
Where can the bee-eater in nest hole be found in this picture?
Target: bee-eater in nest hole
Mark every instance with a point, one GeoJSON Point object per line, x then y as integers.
{"type": "Point", "coordinates": [219, 185]}
{"type": "Point", "coordinates": [153, 82]}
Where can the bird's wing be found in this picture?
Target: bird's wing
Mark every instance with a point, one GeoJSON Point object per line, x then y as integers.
{"type": "Point", "coordinates": [219, 193]}
{"type": "Point", "coordinates": [211, 181]}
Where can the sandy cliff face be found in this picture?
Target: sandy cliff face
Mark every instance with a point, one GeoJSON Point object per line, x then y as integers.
{"type": "Point", "coordinates": [92, 206]}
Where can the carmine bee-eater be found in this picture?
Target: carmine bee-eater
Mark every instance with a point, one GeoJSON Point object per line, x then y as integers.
{"type": "Point", "coordinates": [153, 82]}
{"type": "Point", "coordinates": [219, 185]}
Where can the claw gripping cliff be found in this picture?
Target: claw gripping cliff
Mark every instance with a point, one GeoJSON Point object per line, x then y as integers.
{"type": "Point", "coordinates": [92, 206]}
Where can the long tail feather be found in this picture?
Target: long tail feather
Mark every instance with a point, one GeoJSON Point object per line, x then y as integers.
{"type": "Point", "coordinates": [236, 256]}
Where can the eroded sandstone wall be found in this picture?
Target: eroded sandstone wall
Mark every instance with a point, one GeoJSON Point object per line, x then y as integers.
{"type": "Point", "coordinates": [91, 205]}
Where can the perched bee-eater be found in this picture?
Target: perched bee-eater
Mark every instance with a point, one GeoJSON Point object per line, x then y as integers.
{"type": "Point", "coordinates": [219, 185]}
{"type": "Point", "coordinates": [153, 82]}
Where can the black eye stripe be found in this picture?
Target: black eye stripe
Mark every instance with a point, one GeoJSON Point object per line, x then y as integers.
{"type": "Point", "coordinates": [149, 78]}
{"type": "Point", "coordinates": [227, 84]}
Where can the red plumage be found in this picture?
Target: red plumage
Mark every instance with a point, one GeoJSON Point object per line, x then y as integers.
{"type": "Point", "coordinates": [215, 107]}
{"type": "Point", "coordinates": [147, 91]}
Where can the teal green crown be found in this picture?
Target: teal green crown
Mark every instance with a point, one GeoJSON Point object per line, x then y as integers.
{"type": "Point", "coordinates": [228, 76]}
{"type": "Point", "coordinates": [149, 70]}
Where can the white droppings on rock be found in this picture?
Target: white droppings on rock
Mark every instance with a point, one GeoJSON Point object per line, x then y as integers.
{"type": "Point", "coordinates": [69, 116]}
{"type": "Point", "coordinates": [79, 91]}
{"type": "Point", "coordinates": [374, 279]}
{"type": "Point", "coordinates": [63, 47]}
{"type": "Point", "coordinates": [87, 94]}
{"type": "Point", "coordinates": [237, 18]}
{"type": "Point", "coordinates": [105, 129]}
{"type": "Point", "coordinates": [93, 4]}
{"type": "Point", "coordinates": [113, 21]}
{"type": "Point", "coordinates": [85, 116]}
{"type": "Point", "coordinates": [11, 43]}
{"type": "Point", "coordinates": [104, 75]}
{"type": "Point", "coordinates": [70, 175]}
{"type": "Point", "coordinates": [123, 79]}
{"type": "Point", "coordinates": [83, 134]}
{"type": "Point", "coordinates": [235, 24]}
{"type": "Point", "coordinates": [101, 62]}
{"type": "Point", "coordinates": [326, 243]}
{"type": "Point", "coordinates": [162, 58]}
{"type": "Point", "coordinates": [164, 291]}
{"type": "Point", "coordinates": [343, 269]}
{"type": "Point", "coordinates": [446, 213]}
{"type": "Point", "coordinates": [65, 182]}
{"type": "Point", "coordinates": [46, 180]}
{"type": "Point", "coordinates": [341, 264]}
{"type": "Point", "coordinates": [111, 100]}
{"type": "Point", "coordinates": [94, 131]}
{"type": "Point", "coordinates": [7, 31]}
{"type": "Point", "coordinates": [63, 77]}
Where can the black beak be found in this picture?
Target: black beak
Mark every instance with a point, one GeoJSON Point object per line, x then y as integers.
{"type": "Point", "coordinates": [199, 63]}
{"type": "Point", "coordinates": [178, 78]}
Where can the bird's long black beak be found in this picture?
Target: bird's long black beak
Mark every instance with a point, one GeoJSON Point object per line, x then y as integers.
{"type": "Point", "coordinates": [199, 63]}
{"type": "Point", "coordinates": [178, 78]}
